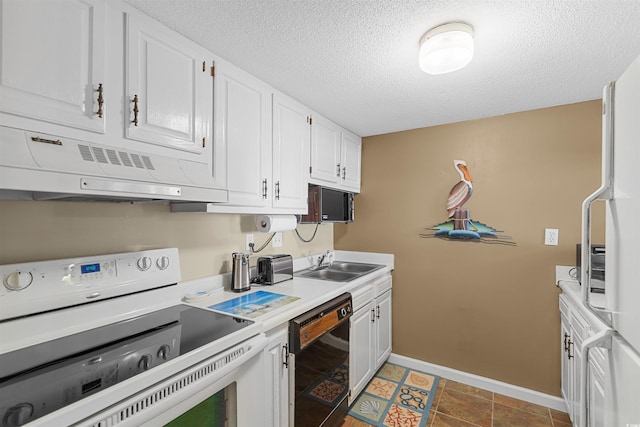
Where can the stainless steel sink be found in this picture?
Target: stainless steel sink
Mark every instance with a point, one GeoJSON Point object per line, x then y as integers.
{"type": "Point", "coordinates": [354, 267]}
{"type": "Point", "coordinates": [340, 271]}
{"type": "Point", "coordinates": [326, 274]}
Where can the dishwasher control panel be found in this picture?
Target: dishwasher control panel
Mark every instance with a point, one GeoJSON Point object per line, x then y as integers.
{"type": "Point", "coordinates": [310, 326]}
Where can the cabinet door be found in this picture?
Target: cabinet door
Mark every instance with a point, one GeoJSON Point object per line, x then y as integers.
{"type": "Point", "coordinates": [291, 138]}
{"type": "Point", "coordinates": [361, 357]}
{"type": "Point", "coordinates": [566, 371]}
{"type": "Point", "coordinates": [169, 83]}
{"type": "Point", "coordinates": [53, 61]}
{"type": "Point", "coordinates": [596, 393]}
{"type": "Point", "coordinates": [325, 152]}
{"type": "Point", "coordinates": [277, 384]}
{"type": "Point", "coordinates": [243, 124]}
{"type": "Point", "coordinates": [383, 328]}
{"type": "Point", "coordinates": [351, 154]}
{"type": "Point", "coordinates": [576, 383]}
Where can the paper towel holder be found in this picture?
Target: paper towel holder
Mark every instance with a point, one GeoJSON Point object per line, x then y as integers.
{"type": "Point", "coordinates": [275, 223]}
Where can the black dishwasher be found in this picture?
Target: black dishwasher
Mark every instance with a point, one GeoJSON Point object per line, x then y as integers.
{"type": "Point", "coordinates": [319, 373]}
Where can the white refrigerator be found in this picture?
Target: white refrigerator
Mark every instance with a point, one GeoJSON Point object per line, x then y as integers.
{"type": "Point", "coordinates": [621, 318]}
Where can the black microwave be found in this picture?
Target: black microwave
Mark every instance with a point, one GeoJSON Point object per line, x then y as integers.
{"type": "Point", "coordinates": [328, 205]}
{"type": "Point", "coordinates": [597, 256]}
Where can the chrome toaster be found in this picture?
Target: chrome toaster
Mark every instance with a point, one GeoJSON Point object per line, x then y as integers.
{"type": "Point", "coordinates": [274, 269]}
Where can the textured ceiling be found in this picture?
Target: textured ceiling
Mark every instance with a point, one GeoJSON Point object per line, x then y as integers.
{"type": "Point", "coordinates": [355, 61]}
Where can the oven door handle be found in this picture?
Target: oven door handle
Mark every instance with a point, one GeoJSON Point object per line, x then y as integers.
{"type": "Point", "coordinates": [173, 390]}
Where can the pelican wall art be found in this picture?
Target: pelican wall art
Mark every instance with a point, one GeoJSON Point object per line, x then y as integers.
{"type": "Point", "coordinates": [460, 226]}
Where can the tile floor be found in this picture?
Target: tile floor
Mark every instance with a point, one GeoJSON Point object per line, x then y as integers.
{"type": "Point", "coordinates": [460, 405]}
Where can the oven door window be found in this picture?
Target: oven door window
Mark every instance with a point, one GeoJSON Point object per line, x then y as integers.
{"type": "Point", "coordinates": [218, 410]}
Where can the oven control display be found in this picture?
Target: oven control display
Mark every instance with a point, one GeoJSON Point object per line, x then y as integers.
{"type": "Point", "coordinates": [90, 268]}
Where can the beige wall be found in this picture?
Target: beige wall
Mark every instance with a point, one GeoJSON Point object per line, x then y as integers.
{"type": "Point", "coordinates": [490, 310]}
{"type": "Point", "coordinates": [31, 231]}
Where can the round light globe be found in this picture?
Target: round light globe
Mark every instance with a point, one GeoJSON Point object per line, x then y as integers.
{"type": "Point", "coordinates": [446, 48]}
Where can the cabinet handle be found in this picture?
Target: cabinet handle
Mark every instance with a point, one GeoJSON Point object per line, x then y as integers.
{"type": "Point", "coordinates": [285, 358]}
{"type": "Point", "coordinates": [135, 110]}
{"type": "Point", "coordinates": [377, 311]}
{"type": "Point", "coordinates": [373, 316]}
{"type": "Point", "coordinates": [566, 346]}
{"type": "Point", "coordinates": [100, 100]}
{"type": "Point", "coordinates": [338, 171]}
{"type": "Point", "coordinates": [277, 190]}
{"type": "Point", "coordinates": [344, 172]}
{"type": "Point", "coordinates": [569, 355]}
{"type": "Point", "coordinates": [264, 188]}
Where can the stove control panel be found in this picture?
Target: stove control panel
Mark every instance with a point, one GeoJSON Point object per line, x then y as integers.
{"type": "Point", "coordinates": [30, 288]}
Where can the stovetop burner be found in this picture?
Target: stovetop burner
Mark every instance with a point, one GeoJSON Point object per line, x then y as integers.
{"type": "Point", "coordinates": [85, 363]}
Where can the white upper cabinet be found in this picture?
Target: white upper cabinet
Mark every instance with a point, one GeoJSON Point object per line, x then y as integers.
{"type": "Point", "coordinates": [243, 126]}
{"type": "Point", "coordinates": [351, 155]}
{"type": "Point", "coordinates": [168, 87]}
{"type": "Point", "coordinates": [291, 136]}
{"type": "Point", "coordinates": [266, 136]}
{"type": "Point", "coordinates": [335, 156]}
{"type": "Point", "coordinates": [325, 152]}
{"type": "Point", "coordinates": [53, 62]}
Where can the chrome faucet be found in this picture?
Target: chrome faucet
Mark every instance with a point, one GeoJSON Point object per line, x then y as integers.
{"type": "Point", "coordinates": [322, 258]}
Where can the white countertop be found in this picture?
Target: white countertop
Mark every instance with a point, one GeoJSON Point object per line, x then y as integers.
{"type": "Point", "coordinates": [312, 292]}
{"type": "Point", "coordinates": [573, 290]}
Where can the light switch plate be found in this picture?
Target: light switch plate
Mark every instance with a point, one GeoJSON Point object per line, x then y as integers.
{"type": "Point", "coordinates": [551, 236]}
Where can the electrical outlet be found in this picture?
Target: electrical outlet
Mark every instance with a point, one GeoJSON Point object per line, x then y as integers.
{"type": "Point", "coordinates": [277, 240]}
{"type": "Point", "coordinates": [249, 241]}
{"type": "Point", "coordinates": [551, 236]}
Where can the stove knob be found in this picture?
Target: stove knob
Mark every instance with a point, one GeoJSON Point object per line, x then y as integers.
{"type": "Point", "coordinates": [18, 415]}
{"type": "Point", "coordinates": [163, 262]}
{"type": "Point", "coordinates": [144, 263]}
{"type": "Point", "coordinates": [163, 352]}
{"type": "Point", "coordinates": [17, 281]}
{"type": "Point", "coordinates": [145, 362]}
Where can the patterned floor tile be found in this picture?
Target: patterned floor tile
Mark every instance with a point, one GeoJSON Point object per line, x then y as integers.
{"type": "Point", "coordinates": [420, 380]}
{"type": "Point", "coordinates": [369, 407]}
{"type": "Point", "coordinates": [397, 416]}
{"type": "Point", "coordinates": [392, 372]}
{"type": "Point", "coordinates": [411, 397]}
{"type": "Point", "coordinates": [381, 388]}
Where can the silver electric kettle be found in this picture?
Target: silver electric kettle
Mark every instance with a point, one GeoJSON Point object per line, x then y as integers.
{"type": "Point", "coordinates": [240, 280]}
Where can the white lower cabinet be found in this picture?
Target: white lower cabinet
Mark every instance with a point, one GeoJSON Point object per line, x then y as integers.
{"type": "Point", "coordinates": [361, 358]}
{"type": "Point", "coordinates": [574, 330]}
{"type": "Point", "coordinates": [370, 334]}
{"type": "Point", "coordinates": [383, 327]}
{"type": "Point", "coordinates": [277, 377]}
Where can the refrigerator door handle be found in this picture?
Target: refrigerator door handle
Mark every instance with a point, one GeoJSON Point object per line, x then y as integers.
{"type": "Point", "coordinates": [603, 340]}
{"type": "Point", "coordinates": [605, 192]}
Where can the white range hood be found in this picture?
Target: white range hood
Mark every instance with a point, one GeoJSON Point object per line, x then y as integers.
{"type": "Point", "coordinates": [36, 166]}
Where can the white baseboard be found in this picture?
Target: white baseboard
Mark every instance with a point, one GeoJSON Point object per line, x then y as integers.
{"type": "Point", "coordinates": [494, 386]}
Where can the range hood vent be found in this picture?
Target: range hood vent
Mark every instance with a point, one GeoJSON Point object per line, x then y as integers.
{"type": "Point", "coordinates": [44, 167]}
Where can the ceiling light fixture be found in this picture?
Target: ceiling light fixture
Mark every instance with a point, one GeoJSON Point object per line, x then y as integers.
{"type": "Point", "coordinates": [446, 48]}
